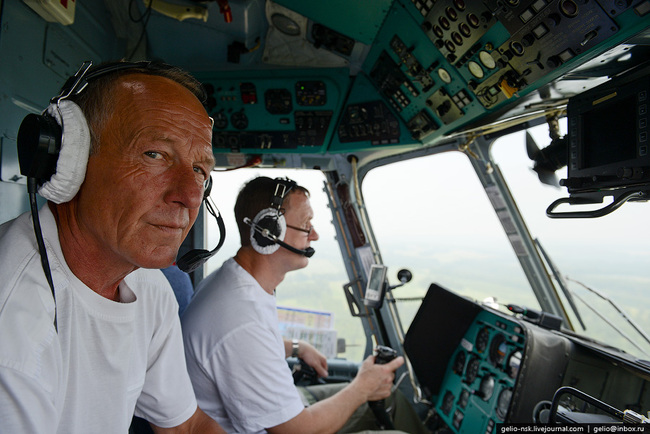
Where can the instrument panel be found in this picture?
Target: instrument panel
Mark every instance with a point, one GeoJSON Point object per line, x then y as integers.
{"type": "Point", "coordinates": [479, 381]}
{"type": "Point", "coordinates": [487, 367]}
{"type": "Point", "coordinates": [433, 68]}
{"type": "Point", "coordinates": [288, 110]}
{"type": "Point", "coordinates": [480, 367]}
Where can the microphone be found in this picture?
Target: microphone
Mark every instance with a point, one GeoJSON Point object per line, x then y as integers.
{"type": "Point", "coordinates": [308, 252]}
{"type": "Point", "coordinates": [197, 257]}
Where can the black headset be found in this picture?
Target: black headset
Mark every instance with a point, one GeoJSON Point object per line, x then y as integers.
{"type": "Point", "coordinates": [197, 257]}
{"type": "Point", "coordinates": [41, 138]}
{"type": "Point", "coordinates": [268, 228]}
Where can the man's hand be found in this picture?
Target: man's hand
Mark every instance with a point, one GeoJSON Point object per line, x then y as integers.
{"type": "Point", "coordinates": [376, 381]}
{"type": "Point", "coordinates": [313, 358]}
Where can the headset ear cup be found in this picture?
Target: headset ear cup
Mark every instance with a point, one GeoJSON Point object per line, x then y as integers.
{"type": "Point", "coordinates": [267, 220]}
{"type": "Point", "coordinates": [73, 157]}
{"type": "Point", "coordinates": [39, 143]}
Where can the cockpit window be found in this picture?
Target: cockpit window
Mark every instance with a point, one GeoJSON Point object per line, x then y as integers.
{"type": "Point", "coordinates": [605, 261]}
{"type": "Point", "coordinates": [432, 216]}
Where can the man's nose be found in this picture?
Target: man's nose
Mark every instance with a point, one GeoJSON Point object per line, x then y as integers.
{"type": "Point", "coordinates": [187, 188]}
{"type": "Point", "coordinates": [313, 236]}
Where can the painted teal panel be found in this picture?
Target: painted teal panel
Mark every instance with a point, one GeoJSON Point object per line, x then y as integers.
{"type": "Point", "coordinates": [358, 19]}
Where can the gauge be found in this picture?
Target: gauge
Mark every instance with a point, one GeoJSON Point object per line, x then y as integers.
{"type": "Point", "coordinates": [514, 362]}
{"type": "Point", "coordinates": [463, 400]}
{"type": "Point", "coordinates": [487, 60]}
{"type": "Point", "coordinates": [472, 370]}
{"type": "Point", "coordinates": [220, 120]}
{"type": "Point", "coordinates": [239, 120]}
{"type": "Point", "coordinates": [444, 75]}
{"type": "Point", "coordinates": [475, 69]}
{"type": "Point", "coordinates": [459, 363]}
{"type": "Point", "coordinates": [447, 402]}
{"type": "Point", "coordinates": [503, 403]}
{"type": "Point", "coordinates": [498, 349]}
{"type": "Point", "coordinates": [486, 388]}
{"type": "Point", "coordinates": [482, 339]}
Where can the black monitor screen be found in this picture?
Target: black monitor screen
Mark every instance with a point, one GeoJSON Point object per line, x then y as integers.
{"type": "Point", "coordinates": [609, 133]}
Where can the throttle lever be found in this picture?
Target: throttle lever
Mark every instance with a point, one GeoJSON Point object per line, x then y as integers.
{"type": "Point", "coordinates": [384, 355]}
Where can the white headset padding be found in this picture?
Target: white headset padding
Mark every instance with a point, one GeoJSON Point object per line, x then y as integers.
{"type": "Point", "coordinates": [73, 156]}
{"type": "Point", "coordinates": [273, 213]}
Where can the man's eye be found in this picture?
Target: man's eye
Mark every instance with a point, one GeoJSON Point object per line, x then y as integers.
{"type": "Point", "coordinates": [153, 154]}
{"type": "Point", "coordinates": [201, 171]}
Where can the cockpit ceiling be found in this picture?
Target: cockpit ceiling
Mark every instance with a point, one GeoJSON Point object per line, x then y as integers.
{"type": "Point", "coordinates": [349, 78]}
{"type": "Point", "coordinates": [312, 77]}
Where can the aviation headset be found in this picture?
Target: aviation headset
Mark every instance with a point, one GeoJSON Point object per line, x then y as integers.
{"type": "Point", "coordinates": [53, 151]}
{"type": "Point", "coordinates": [269, 226]}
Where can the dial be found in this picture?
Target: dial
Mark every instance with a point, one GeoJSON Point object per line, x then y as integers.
{"type": "Point", "coordinates": [220, 120]}
{"type": "Point", "coordinates": [486, 388]}
{"type": "Point", "coordinates": [514, 362]}
{"type": "Point", "coordinates": [503, 403]}
{"type": "Point", "coordinates": [475, 69]}
{"type": "Point", "coordinates": [498, 349]}
{"type": "Point", "coordinates": [444, 75]}
{"type": "Point", "coordinates": [447, 402]}
{"type": "Point", "coordinates": [459, 363]}
{"type": "Point", "coordinates": [487, 60]}
{"type": "Point", "coordinates": [472, 370]}
{"type": "Point", "coordinates": [239, 120]}
{"type": "Point", "coordinates": [482, 339]}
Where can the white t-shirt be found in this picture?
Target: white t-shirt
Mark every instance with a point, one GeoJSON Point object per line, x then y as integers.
{"type": "Point", "coordinates": [235, 353]}
{"type": "Point", "coordinates": [107, 358]}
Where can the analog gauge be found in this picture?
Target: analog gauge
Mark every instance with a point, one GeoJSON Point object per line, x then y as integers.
{"type": "Point", "coordinates": [475, 69]}
{"type": "Point", "coordinates": [463, 399]}
{"type": "Point", "coordinates": [447, 402]}
{"type": "Point", "coordinates": [444, 75]}
{"type": "Point", "coordinates": [514, 362]}
{"type": "Point", "coordinates": [487, 60]}
{"type": "Point", "coordinates": [472, 370]}
{"type": "Point", "coordinates": [503, 403]}
{"type": "Point", "coordinates": [459, 363]}
{"type": "Point", "coordinates": [486, 388]}
{"type": "Point", "coordinates": [482, 339]}
{"type": "Point", "coordinates": [239, 120]}
{"type": "Point", "coordinates": [498, 349]}
{"type": "Point", "coordinates": [220, 120]}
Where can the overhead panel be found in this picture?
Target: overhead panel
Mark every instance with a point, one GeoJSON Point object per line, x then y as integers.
{"type": "Point", "coordinates": [272, 110]}
{"type": "Point", "coordinates": [442, 65]}
{"type": "Point", "coordinates": [360, 20]}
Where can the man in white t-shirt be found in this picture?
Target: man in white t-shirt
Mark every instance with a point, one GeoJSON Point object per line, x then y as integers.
{"type": "Point", "coordinates": [89, 335]}
{"type": "Point", "coordinates": [235, 353]}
